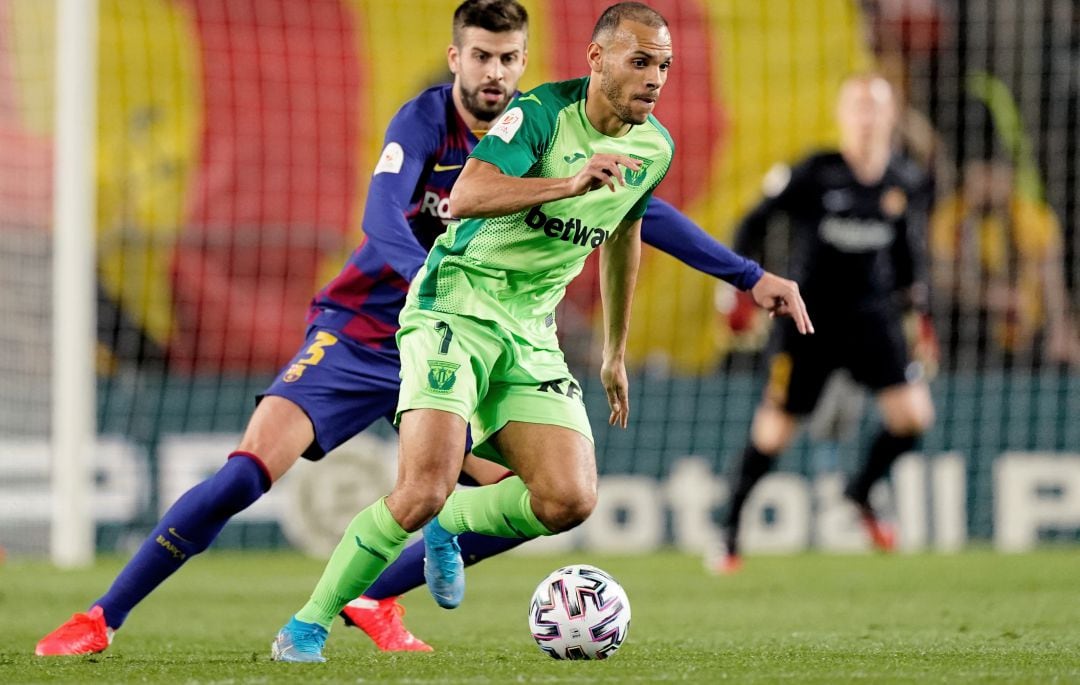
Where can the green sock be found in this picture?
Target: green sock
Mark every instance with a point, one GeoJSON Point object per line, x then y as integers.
{"type": "Point", "coordinates": [371, 543]}
{"type": "Point", "coordinates": [503, 510]}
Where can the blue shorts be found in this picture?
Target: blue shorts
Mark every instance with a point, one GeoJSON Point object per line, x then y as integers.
{"type": "Point", "coordinates": [342, 386]}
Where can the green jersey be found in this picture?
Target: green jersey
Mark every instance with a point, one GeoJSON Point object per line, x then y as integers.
{"type": "Point", "coordinates": [514, 269]}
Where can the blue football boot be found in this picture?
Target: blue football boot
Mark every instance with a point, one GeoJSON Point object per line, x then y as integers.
{"type": "Point", "coordinates": [299, 642]}
{"type": "Point", "coordinates": [444, 570]}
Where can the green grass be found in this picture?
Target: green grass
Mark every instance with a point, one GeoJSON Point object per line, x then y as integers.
{"type": "Point", "coordinates": [976, 617]}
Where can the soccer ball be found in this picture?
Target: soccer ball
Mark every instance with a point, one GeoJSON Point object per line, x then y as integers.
{"type": "Point", "coordinates": [579, 612]}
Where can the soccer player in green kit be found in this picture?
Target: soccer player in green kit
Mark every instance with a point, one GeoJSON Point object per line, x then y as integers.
{"type": "Point", "coordinates": [569, 167]}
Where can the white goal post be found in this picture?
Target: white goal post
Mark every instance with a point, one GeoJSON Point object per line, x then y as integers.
{"type": "Point", "coordinates": [73, 428]}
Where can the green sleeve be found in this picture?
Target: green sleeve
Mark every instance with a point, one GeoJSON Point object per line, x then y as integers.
{"type": "Point", "coordinates": [520, 136]}
{"type": "Point", "coordinates": [638, 210]}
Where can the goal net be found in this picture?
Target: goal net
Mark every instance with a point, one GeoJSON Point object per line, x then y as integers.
{"type": "Point", "coordinates": [233, 145]}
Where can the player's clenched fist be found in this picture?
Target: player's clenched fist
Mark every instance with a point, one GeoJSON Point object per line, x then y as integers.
{"type": "Point", "coordinates": [602, 170]}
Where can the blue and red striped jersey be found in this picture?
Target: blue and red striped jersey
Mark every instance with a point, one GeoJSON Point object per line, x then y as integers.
{"type": "Point", "coordinates": [407, 207]}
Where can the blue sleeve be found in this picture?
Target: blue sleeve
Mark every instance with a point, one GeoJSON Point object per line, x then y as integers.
{"type": "Point", "coordinates": [411, 139]}
{"type": "Point", "coordinates": [669, 230]}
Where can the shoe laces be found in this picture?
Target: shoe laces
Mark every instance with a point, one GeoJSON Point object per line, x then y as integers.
{"type": "Point", "coordinates": [390, 613]}
{"type": "Point", "coordinates": [307, 638]}
{"type": "Point", "coordinates": [448, 549]}
{"type": "Point", "coordinates": [84, 627]}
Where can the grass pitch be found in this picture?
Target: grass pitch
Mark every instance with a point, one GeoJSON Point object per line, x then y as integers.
{"type": "Point", "coordinates": [977, 617]}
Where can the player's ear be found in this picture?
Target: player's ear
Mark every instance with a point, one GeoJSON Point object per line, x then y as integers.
{"type": "Point", "coordinates": [595, 55]}
{"type": "Point", "coordinates": [452, 58]}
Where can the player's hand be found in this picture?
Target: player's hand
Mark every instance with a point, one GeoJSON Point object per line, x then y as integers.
{"type": "Point", "coordinates": [617, 387]}
{"type": "Point", "coordinates": [602, 170]}
{"type": "Point", "coordinates": [780, 297]}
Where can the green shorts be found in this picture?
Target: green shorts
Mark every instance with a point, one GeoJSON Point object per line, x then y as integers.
{"type": "Point", "coordinates": [477, 370]}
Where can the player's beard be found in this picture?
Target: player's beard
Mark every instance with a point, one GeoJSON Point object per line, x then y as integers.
{"type": "Point", "coordinates": [476, 107]}
{"type": "Point", "coordinates": [616, 97]}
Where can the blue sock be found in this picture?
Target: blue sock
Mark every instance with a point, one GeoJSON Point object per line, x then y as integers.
{"type": "Point", "coordinates": [186, 529]}
{"type": "Point", "coordinates": [407, 572]}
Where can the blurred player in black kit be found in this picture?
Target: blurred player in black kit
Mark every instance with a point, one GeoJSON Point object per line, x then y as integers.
{"type": "Point", "coordinates": [857, 221]}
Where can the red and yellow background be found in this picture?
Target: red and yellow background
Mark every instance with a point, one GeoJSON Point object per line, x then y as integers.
{"type": "Point", "coordinates": [235, 138]}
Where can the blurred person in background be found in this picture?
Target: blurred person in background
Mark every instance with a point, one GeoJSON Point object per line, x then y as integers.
{"type": "Point", "coordinates": [998, 257]}
{"type": "Point", "coordinates": [908, 39]}
{"type": "Point", "coordinates": [857, 224]}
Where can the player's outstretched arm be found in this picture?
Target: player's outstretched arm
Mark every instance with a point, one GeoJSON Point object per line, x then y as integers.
{"type": "Point", "coordinates": [669, 230]}
{"type": "Point", "coordinates": [483, 190]}
{"type": "Point", "coordinates": [618, 275]}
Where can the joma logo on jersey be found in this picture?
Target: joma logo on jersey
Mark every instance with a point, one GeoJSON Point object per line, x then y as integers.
{"type": "Point", "coordinates": [441, 376]}
{"type": "Point", "coordinates": [570, 230]}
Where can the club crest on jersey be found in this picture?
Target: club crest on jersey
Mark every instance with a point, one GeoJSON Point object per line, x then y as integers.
{"type": "Point", "coordinates": [508, 125]}
{"type": "Point", "coordinates": [636, 178]}
{"type": "Point", "coordinates": [571, 229]}
{"type": "Point", "coordinates": [293, 373]}
{"type": "Point", "coordinates": [441, 376]}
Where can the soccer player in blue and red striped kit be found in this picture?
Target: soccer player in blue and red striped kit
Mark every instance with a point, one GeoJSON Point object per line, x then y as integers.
{"type": "Point", "coordinates": [345, 377]}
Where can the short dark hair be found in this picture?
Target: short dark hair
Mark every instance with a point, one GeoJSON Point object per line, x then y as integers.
{"type": "Point", "coordinates": [496, 16]}
{"type": "Point", "coordinates": [630, 11]}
